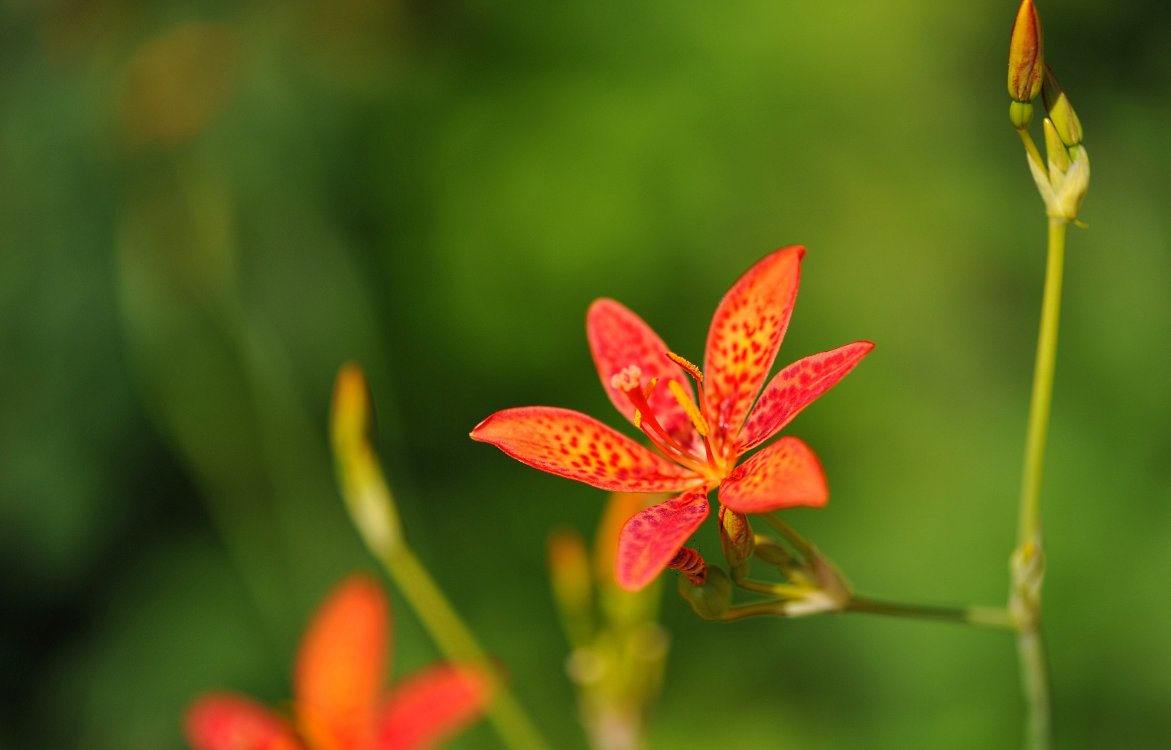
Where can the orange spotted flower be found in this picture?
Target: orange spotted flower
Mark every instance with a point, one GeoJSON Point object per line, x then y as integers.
{"type": "Point", "coordinates": [338, 704]}
{"type": "Point", "coordinates": [700, 443]}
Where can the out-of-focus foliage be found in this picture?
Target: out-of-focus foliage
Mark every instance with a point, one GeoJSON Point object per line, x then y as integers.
{"type": "Point", "coordinates": [206, 207]}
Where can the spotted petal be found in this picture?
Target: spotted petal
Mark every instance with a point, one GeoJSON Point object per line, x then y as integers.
{"type": "Point", "coordinates": [572, 445]}
{"type": "Point", "coordinates": [223, 721]}
{"type": "Point", "coordinates": [782, 475]}
{"type": "Point", "coordinates": [794, 388]}
{"type": "Point", "coordinates": [430, 705]}
{"type": "Point", "coordinates": [340, 665]}
{"type": "Point", "coordinates": [652, 537]}
{"type": "Point", "coordinates": [619, 339]}
{"type": "Point", "coordinates": [744, 337]}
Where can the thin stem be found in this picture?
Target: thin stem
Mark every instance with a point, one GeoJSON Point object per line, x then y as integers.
{"type": "Point", "coordinates": [1028, 559]}
{"type": "Point", "coordinates": [786, 590]}
{"type": "Point", "coordinates": [998, 619]}
{"type": "Point", "coordinates": [754, 609]}
{"type": "Point", "coordinates": [1033, 152]}
{"type": "Point", "coordinates": [981, 616]}
{"type": "Point", "coordinates": [458, 644]}
{"type": "Point", "coordinates": [787, 531]}
{"type": "Point", "coordinates": [372, 509]}
{"type": "Point", "coordinates": [1038, 427]}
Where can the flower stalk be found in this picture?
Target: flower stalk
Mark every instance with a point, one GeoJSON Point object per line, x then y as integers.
{"type": "Point", "coordinates": [1028, 560]}
{"type": "Point", "coordinates": [1062, 179]}
{"type": "Point", "coordinates": [813, 585]}
{"type": "Point", "coordinates": [372, 509]}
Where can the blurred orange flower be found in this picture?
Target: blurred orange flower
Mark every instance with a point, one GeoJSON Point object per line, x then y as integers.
{"type": "Point", "coordinates": [338, 704]}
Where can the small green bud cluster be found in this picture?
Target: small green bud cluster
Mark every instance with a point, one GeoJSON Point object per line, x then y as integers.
{"type": "Point", "coordinates": [1064, 177]}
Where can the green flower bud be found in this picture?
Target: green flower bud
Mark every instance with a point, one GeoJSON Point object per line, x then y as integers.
{"type": "Point", "coordinates": [1065, 120]}
{"type": "Point", "coordinates": [736, 539]}
{"type": "Point", "coordinates": [711, 599]}
{"type": "Point", "coordinates": [1026, 58]}
{"type": "Point", "coordinates": [1020, 114]}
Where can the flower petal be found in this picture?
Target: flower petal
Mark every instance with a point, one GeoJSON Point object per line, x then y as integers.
{"type": "Point", "coordinates": [794, 388]}
{"type": "Point", "coordinates": [618, 339]}
{"type": "Point", "coordinates": [430, 705]}
{"type": "Point", "coordinates": [572, 445]}
{"type": "Point", "coordinates": [340, 665]}
{"type": "Point", "coordinates": [223, 721]}
{"type": "Point", "coordinates": [782, 475]}
{"type": "Point", "coordinates": [744, 337]}
{"type": "Point", "coordinates": [652, 537]}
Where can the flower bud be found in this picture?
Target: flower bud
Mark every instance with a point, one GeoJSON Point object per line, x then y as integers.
{"type": "Point", "coordinates": [1065, 120]}
{"type": "Point", "coordinates": [736, 539]}
{"type": "Point", "coordinates": [569, 573]}
{"type": "Point", "coordinates": [711, 599]}
{"type": "Point", "coordinates": [359, 475]}
{"type": "Point", "coordinates": [1026, 59]}
{"type": "Point", "coordinates": [1072, 190]}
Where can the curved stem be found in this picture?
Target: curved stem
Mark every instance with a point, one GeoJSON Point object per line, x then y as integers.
{"type": "Point", "coordinates": [791, 534]}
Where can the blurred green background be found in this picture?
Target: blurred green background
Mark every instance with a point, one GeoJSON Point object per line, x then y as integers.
{"type": "Point", "coordinates": [206, 207]}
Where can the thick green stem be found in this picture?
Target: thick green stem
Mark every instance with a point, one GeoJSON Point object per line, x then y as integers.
{"type": "Point", "coordinates": [1035, 681]}
{"type": "Point", "coordinates": [1028, 567]}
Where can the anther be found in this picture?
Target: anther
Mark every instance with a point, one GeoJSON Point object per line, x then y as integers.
{"type": "Point", "coordinates": [692, 370]}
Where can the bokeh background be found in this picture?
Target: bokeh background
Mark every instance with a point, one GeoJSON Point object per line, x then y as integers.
{"type": "Point", "coordinates": [206, 207]}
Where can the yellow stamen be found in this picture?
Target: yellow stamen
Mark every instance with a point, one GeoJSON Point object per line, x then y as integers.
{"type": "Point", "coordinates": [691, 369]}
{"type": "Point", "coordinates": [688, 406]}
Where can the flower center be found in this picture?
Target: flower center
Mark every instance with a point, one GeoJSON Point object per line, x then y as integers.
{"type": "Point", "coordinates": [711, 464]}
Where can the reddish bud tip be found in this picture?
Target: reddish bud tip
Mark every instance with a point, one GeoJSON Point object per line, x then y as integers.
{"type": "Point", "coordinates": [1026, 57]}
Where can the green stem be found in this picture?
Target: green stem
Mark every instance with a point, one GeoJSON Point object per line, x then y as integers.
{"type": "Point", "coordinates": [803, 546]}
{"type": "Point", "coordinates": [458, 644]}
{"type": "Point", "coordinates": [1038, 427]}
{"type": "Point", "coordinates": [982, 616]}
{"type": "Point", "coordinates": [1031, 149]}
{"type": "Point", "coordinates": [1035, 682]}
{"type": "Point", "coordinates": [1028, 559]}
{"type": "Point", "coordinates": [785, 590]}
{"type": "Point", "coordinates": [755, 609]}
{"type": "Point", "coordinates": [371, 506]}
